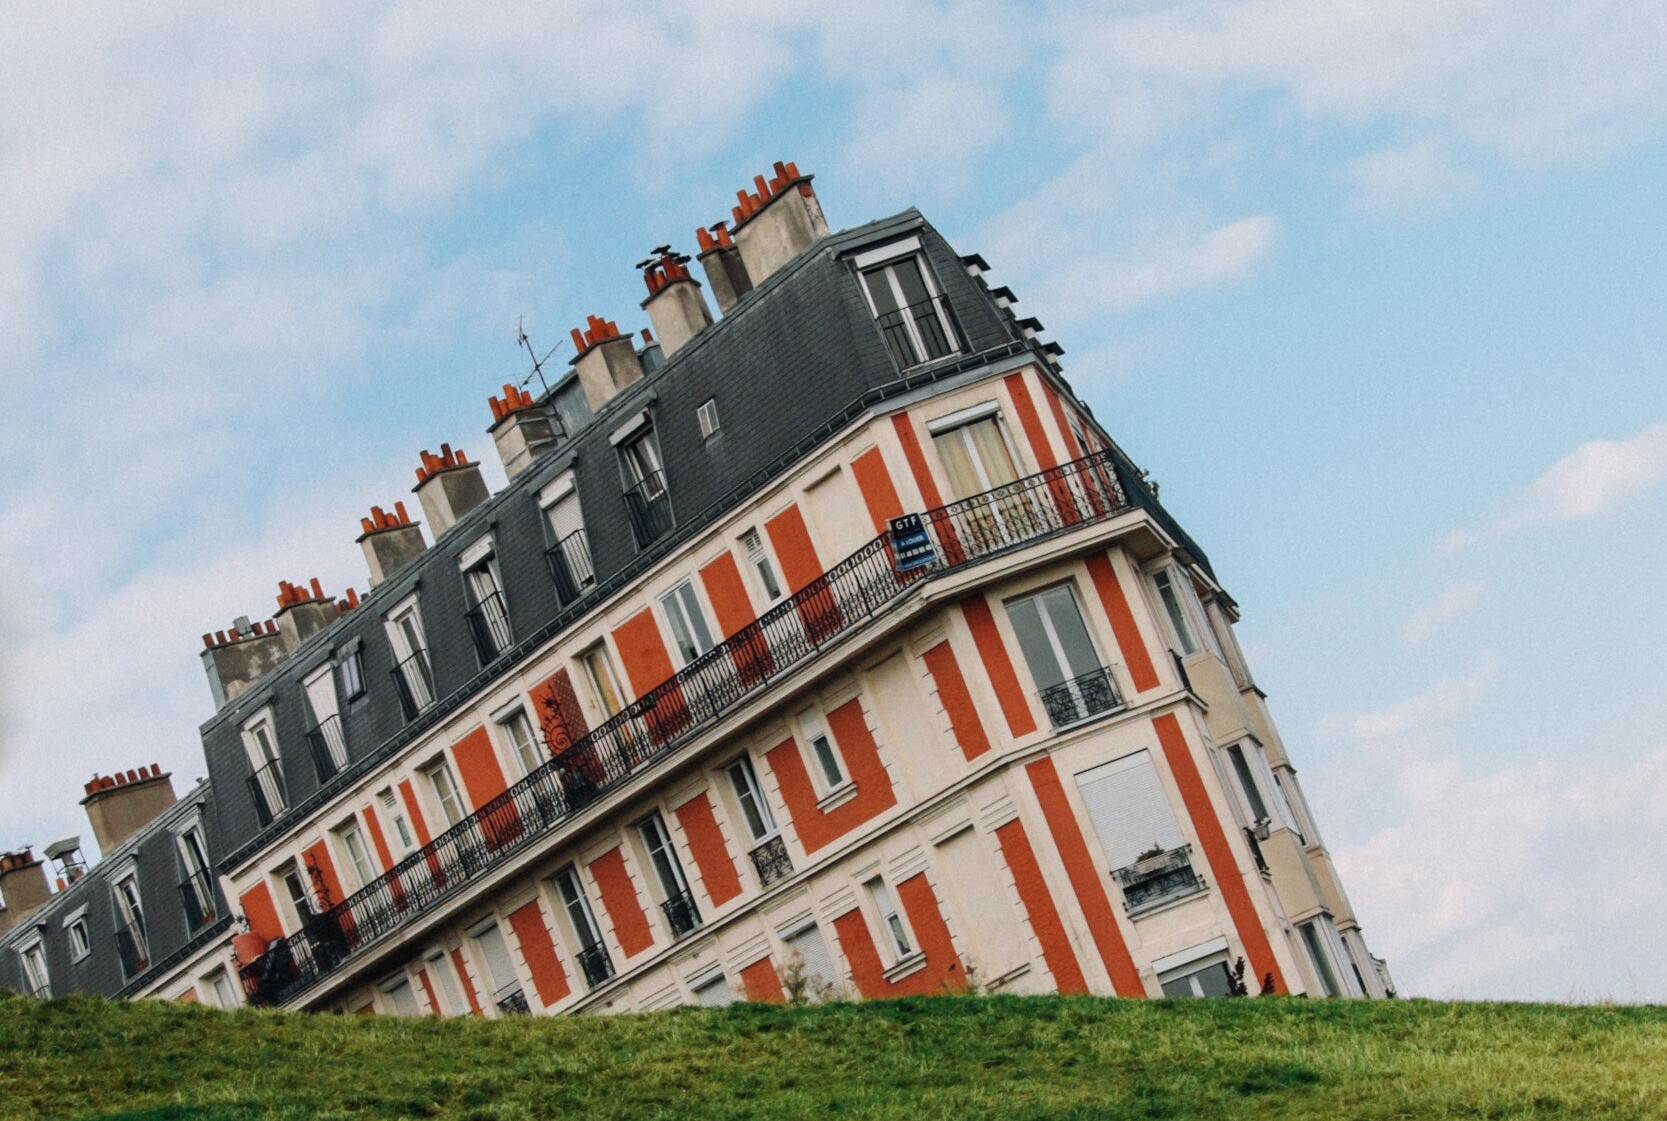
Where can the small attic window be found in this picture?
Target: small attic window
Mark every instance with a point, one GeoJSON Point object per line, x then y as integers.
{"type": "Point", "coordinates": [708, 416]}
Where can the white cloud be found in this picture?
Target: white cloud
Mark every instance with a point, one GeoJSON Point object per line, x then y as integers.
{"type": "Point", "coordinates": [1416, 714]}
{"type": "Point", "coordinates": [1594, 479]}
{"type": "Point", "coordinates": [931, 131]}
{"type": "Point", "coordinates": [1456, 600]}
{"type": "Point", "coordinates": [1417, 176]}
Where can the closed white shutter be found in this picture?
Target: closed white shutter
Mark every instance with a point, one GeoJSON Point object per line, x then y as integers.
{"type": "Point", "coordinates": [715, 993]}
{"type": "Point", "coordinates": [491, 942]}
{"type": "Point", "coordinates": [808, 944]}
{"type": "Point", "coordinates": [1128, 808]}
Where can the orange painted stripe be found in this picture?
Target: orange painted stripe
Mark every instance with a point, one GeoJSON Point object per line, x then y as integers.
{"type": "Point", "coordinates": [483, 780]}
{"type": "Point", "coordinates": [1058, 408]}
{"type": "Point", "coordinates": [428, 988]}
{"type": "Point", "coordinates": [539, 952]}
{"type": "Point", "coordinates": [762, 984]}
{"type": "Point", "coordinates": [620, 899]}
{"type": "Point", "coordinates": [814, 827]}
{"type": "Point", "coordinates": [956, 701]}
{"type": "Point", "coordinates": [1085, 879]}
{"type": "Point", "coordinates": [924, 483]}
{"type": "Point", "coordinates": [1030, 421]}
{"type": "Point", "coordinates": [1123, 625]}
{"type": "Point", "coordinates": [728, 594]}
{"type": "Point", "coordinates": [373, 825]}
{"type": "Point", "coordinates": [462, 968]}
{"type": "Point", "coordinates": [1039, 907]}
{"type": "Point", "coordinates": [878, 493]}
{"type": "Point", "coordinates": [643, 652]}
{"type": "Point", "coordinates": [318, 856]}
{"type": "Point", "coordinates": [1015, 706]}
{"type": "Point", "coordinates": [1207, 824]}
{"type": "Point", "coordinates": [706, 842]}
{"type": "Point", "coordinates": [189, 996]}
{"type": "Point", "coordinates": [415, 812]}
{"type": "Point", "coordinates": [261, 914]}
{"type": "Point", "coordinates": [791, 538]}
{"type": "Point", "coordinates": [942, 971]}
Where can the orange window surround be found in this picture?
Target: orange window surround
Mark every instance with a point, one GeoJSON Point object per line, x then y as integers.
{"type": "Point", "coordinates": [956, 700]}
{"type": "Point", "coordinates": [619, 898]}
{"type": "Point", "coordinates": [1123, 625]}
{"type": "Point", "coordinates": [706, 842]}
{"type": "Point", "coordinates": [942, 971]}
{"type": "Point", "coordinates": [1039, 908]}
{"type": "Point", "coordinates": [538, 949]}
{"type": "Point", "coordinates": [815, 828]}
{"type": "Point", "coordinates": [762, 984]}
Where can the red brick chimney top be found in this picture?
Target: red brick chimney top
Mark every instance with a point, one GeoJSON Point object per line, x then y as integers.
{"type": "Point", "coordinates": [787, 175]}
{"type": "Point", "coordinates": [714, 238]}
{"type": "Point", "coordinates": [349, 601]}
{"type": "Point", "coordinates": [379, 520]}
{"type": "Point", "coordinates": [100, 783]}
{"type": "Point", "coordinates": [514, 401]}
{"type": "Point", "coordinates": [13, 861]}
{"type": "Point", "coordinates": [232, 635]}
{"type": "Point", "coordinates": [447, 460]}
{"type": "Point", "coordinates": [596, 330]}
{"type": "Point", "coordinates": [293, 595]}
{"type": "Point", "coordinates": [664, 268]}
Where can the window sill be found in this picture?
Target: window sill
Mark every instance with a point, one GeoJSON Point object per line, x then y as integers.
{"type": "Point", "coordinates": [1146, 910]}
{"type": "Point", "coordinates": [1103, 714]}
{"type": "Point", "coordinates": [837, 797]}
{"type": "Point", "coordinates": [911, 964]}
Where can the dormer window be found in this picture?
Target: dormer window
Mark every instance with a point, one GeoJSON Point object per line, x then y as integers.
{"type": "Point", "coordinates": [488, 616]}
{"type": "Point", "coordinates": [266, 773]}
{"type": "Point", "coordinates": [35, 974]}
{"type": "Point", "coordinates": [326, 738]}
{"type": "Point", "coordinates": [412, 675]}
{"type": "Point", "coordinates": [131, 937]}
{"type": "Point", "coordinates": [646, 497]}
{"type": "Point", "coordinates": [910, 311]}
{"type": "Point", "coordinates": [569, 553]}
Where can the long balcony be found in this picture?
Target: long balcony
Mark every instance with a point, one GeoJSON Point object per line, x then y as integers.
{"type": "Point", "coordinates": [847, 597]}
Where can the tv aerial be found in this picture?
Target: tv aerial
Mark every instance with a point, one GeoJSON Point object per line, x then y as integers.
{"type": "Point", "coordinates": [522, 341]}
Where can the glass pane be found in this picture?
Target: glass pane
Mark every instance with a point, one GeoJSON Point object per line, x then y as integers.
{"type": "Point", "coordinates": [697, 621]}
{"type": "Point", "coordinates": [964, 478]}
{"type": "Point", "coordinates": [1033, 642]}
{"type": "Point", "coordinates": [829, 762]}
{"type": "Point", "coordinates": [1061, 606]}
{"type": "Point", "coordinates": [879, 289]}
{"type": "Point", "coordinates": [1215, 980]}
{"type": "Point", "coordinates": [1177, 619]}
{"type": "Point", "coordinates": [909, 279]}
{"type": "Point", "coordinates": [985, 437]}
{"type": "Point", "coordinates": [1247, 782]}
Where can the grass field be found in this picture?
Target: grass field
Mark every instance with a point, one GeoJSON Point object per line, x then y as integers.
{"type": "Point", "coordinates": [1013, 1058]}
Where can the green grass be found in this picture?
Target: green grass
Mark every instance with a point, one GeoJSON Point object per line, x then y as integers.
{"type": "Point", "coordinates": [1012, 1058]}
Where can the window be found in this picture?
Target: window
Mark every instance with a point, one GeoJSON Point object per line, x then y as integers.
{"type": "Point", "coordinates": [523, 741]}
{"type": "Point", "coordinates": [1252, 792]}
{"type": "Point", "coordinates": [897, 935]}
{"type": "Point", "coordinates": [358, 856]}
{"type": "Point", "coordinates": [412, 674]}
{"type": "Point", "coordinates": [829, 769]}
{"type": "Point", "coordinates": [688, 624]}
{"type": "Point", "coordinates": [592, 956]}
{"type": "Point", "coordinates": [350, 668]}
{"type": "Point", "coordinates": [197, 889]}
{"type": "Point", "coordinates": [1203, 977]}
{"type": "Point", "coordinates": [80, 941]}
{"type": "Point", "coordinates": [1179, 626]}
{"type": "Point", "coordinates": [500, 970]}
{"type": "Point", "coordinates": [488, 616]}
{"type": "Point", "coordinates": [329, 745]}
{"type": "Point", "coordinates": [220, 989]}
{"type": "Point", "coordinates": [35, 973]}
{"type": "Point", "coordinates": [451, 995]}
{"type": "Point", "coordinates": [755, 811]}
{"type": "Point", "coordinates": [910, 313]}
{"type": "Point", "coordinates": [402, 1000]}
{"type": "Point", "coordinates": [1320, 954]}
{"type": "Point", "coordinates": [760, 562]}
{"type": "Point", "coordinates": [1137, 831]}
{"type": "Point", "coordinates": [604, 683]}
{"type": "Point", "coordinates": [713, 992]}
{"type": "Point", "coordinates": [974, 452]}
{"type": "Point", "coordinates": [679, 905]}
{"type": "Point", "coordinates": [707, 414]}
{"type": "Point", "coordinates": [440, 780]}
{"type": "Point", "coordinates": [646, 499]}
{"type": "Point", "coordinates": [131, 937]}
{"type": "Point", "coordinates": [294, 879]}
{"type": "Point", "coordinates": [1063, 662]}
{"type": "Point", "coordinates": [808, 946]}
{"type": "Point", "coordinates": [402, 827]}
{"type": "Point", "coordinates": [569, 553]}
{"type": "Point", "coordinates": [266, 775]}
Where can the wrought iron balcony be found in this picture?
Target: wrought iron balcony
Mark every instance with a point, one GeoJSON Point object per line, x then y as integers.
{"type": "Point", "coordinates": [649, 504]}
{"type": "Point", "coordinates": [266, 786]}
{"type": "Point", "coordinates": [514, 1003]}
{"type": "Point", "coordinates": [489, 627]}
{"type": "Point", "coordinates": [845, 599]}
{"type": "Point", "coordinates": [682, 915]}
{"type": "Point", "coordinates": [595, 963]}
{"type": "Point", "coordinates": [133, 949]}
{"type": "Point", "coordinates": [570, 566]}
{"type": "Point", "coordinates": [414, 682]}
{"type": "Point", "coordinates": [1157, 879]}
{"type": "Point", "coordinates": [329, 748]}
{"type": "Point", "coordinates": [197, 893]}
{"type": "Point", "coordinates": [922, 332]}
{"type": "Point", "coordinates": [1072, 702]}
{"type": "Point", "coordinates": [771, 861]}
{"type": "Point", "coordinates": [1253, 836]}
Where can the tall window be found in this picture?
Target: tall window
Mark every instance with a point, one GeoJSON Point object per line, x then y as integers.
{"type": "Point", "coordinates": [569, 552]}
{"type": "Point", "coordinates": [412, 674]}
{"type": "Point", "coordinates": [500, 970]}
{"type": "Point", "coordinates": [266, 773]}
{"type": "Point", "coordinates": [350, 667]}
{"type": "Point", "coordinates": [80, 940]}
{"type": "Point", "coordinates": [679, 905]}
{"type": "Point", "coordinates": [522, 740]}
{"type": "Point", "coordinates": [1063, 662]}
{"type": "Point", "coordinates": [403, 839]}
{"type": "Point", "coordinates": [891, 922]}
{"type": "Point", "coordinates": [592, 955]}
{"type": "Point", "coordinates": [358, 855]}
{"type": "Point", "coordinates": [298, 889]}
{"type": "Point", "coordinates": [130, 928]}
{"type": "Point", "coordinates": [829, 768]}
{"type": "Point", "coordinates": [1248, 785]}
{"type": "Point", "coordinates": [35, 973]}
{"type": "Point", "coordinates": [1179, 625]}
{"type": "Point", "coordinates": [604, 683]}
{"type": "Point", "coordinates": [220, 989]}
{"type": "Point", "coordinates": [402, 999]}
{"type": "Point", "coordinates": [755, 811]}
{"type": "Point", "coordinates": [646, 499]}
{"type": "Point", "coordinates": [975, 455]}
{"type": "Point", "coordinates": [197, 889]}
{"type": "Point", "coordinates": [910, 313]}
{"type": "Point", "coordinates": [1320, 954]}
{"type": "Point", "coordinates": [329, 745]}
{"type": "Point", "coordinates": [488, 616]}
{"type": "Point", "coordinates": [444, 786]}
{"type": "Point", "coordinates": [759, 560]}
{"type": "Point", "coordinates": [689, 631]}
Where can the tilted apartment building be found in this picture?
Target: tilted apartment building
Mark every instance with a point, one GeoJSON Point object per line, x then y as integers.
{"type": "Point", "coordinates": [829, 644]}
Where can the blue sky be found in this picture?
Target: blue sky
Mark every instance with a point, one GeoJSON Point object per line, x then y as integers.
{"type": "Point", "coordinates": [1372, 289]}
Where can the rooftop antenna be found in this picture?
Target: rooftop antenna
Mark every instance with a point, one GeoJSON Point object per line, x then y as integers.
{"type": "Point", "coordinates": [522, 341]}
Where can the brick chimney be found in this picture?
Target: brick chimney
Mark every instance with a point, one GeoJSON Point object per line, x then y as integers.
{"type": "Point", "coordinates": [302, 612]}
{"type": "Point", "coordinates": [237, 658]}
{"type": "Point", "coordinates": [675, 305]}
{"type": "Point", "coordinates": [23, 887]}
{"type": "Point", "coordinates": [725, 271]}
{"type": "Point", "coordinates": [776, 221]}
{"type": "Point", "coordinates": [390, 541]}
{"type": "Point", "coordinates": [118, 806]}
{"type": "Point", "coordinates": [521, 430]}
{"type": "Point", "coordinates": [606, 361]}
{"type": "Point", "coordinates": [448, 486]}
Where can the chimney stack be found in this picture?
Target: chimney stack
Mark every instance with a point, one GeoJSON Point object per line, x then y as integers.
{"type": "Point", "coordinates": [725, 271]}
{"type": "Point", "coordinates": [237, 658]}
{"type": "Point", "coordinates": [302, 612]}
{"type": "Point", "coordinates": [675, 305]}
{"type": "Point", "coordinates": [777, 220]}
{"type": "Point", "coordinates": [390, 542]}
{"type": "Point", "coordinates": [23, 887]}
{"type": "Point", "coordinates": [66, 854]}
{"type": "Point", "coordinates": [521, 430]}
{"type": "Point", "coordinates": [118, 806]}
{"type": "Point", "coordinates": [605, 360]}
{"type": "Point", "coordinates": [448, 486]}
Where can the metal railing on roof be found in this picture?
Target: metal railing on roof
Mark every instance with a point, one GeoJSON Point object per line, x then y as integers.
{"type": "Point", "coordinates": [838, 603]}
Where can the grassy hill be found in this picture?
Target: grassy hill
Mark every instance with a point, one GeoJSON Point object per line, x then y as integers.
{"type": "Point", "coordinates": [1012, 1058]}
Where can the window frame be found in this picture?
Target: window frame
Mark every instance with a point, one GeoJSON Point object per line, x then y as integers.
{"type": "Point", "coordinates": [358, 857]}
{"type": "Point", "coordinates": [759, 562]}
{"type": "Point", "coordinates": [404, 837]}
{"type": "Point", "coordinates": [350, 673]}
{"type": "Point", "coordinates": [441, 765]}
{"type": "Point", "coordinates": [130, 910]}
{"type": "Point", "coordinates": [503, 720]}
{"type": "Point", "coordinates": [79, 936]}
{"type": "Point", "coordinates": [686, 622]}
{"type": "Point", "coordinates": [259, 734]}
{"type": "Point", "coordinates": [706, 415]}
{"type": "Point", "coordinates": [32, 954]}
{"type": "Point", "coordinates": [577, 901]}
{"type": "Point", "coordinates": [892, 922]}
{"type": "Point", "coordinates": [751, 789]}
{"type": "Point", "coordinates": [661, 851]}
{"type": "Point", "coordinates": [400, 641]}
{"type": "Point", "coordinates": [813, 727]}
{"type": "Point", "coordinates": [882, 260]}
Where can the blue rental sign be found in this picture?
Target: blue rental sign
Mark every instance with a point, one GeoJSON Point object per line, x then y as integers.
{"type": "Point", "coordinates": [911, 545]}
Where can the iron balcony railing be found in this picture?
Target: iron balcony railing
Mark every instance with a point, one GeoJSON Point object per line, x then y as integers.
{"type": "Point", "coordinates": [1072, 702]}
{"type": "Point", "coordinates": [922, 332]}
{"type": "Point", "coordinates": [595, 963]}
{"type": "Point", "coordinates": [682, 916]}
{"type": "Point", "coordinates": [514, 1003]}
{"type": "Point", "coordinates": [840, 602]}
{"type": "Point", "coordinates": [649, 504]}
{"type": "Point", "coordinates": [414, 682]}
{"type": "Point", "coordinates": [771, 862]}
{"type": "Point", "coordinates": [266, 786]}
{"type": "Point", "coordinates": [133, 950]}
{"type": "Point", "coordinates": [489, 627]}
{"type": "Point", "coordinates": [570, 566]}
{"type": "Point", "coordinates": [196, 891]}
{"type": "Point", "coordinates": [1253, 835]}
{"type": "Point", "coordinates": [1158, 878]}
{"type": "Point", "coordinates": [329, 748]}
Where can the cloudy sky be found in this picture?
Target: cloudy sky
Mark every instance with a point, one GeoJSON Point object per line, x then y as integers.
{"type": "Point", "coordinates": [1373, 288]}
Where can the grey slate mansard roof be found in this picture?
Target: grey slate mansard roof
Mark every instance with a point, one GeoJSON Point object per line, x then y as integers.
{"type": "Point", "coordinates": [153, 855]}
